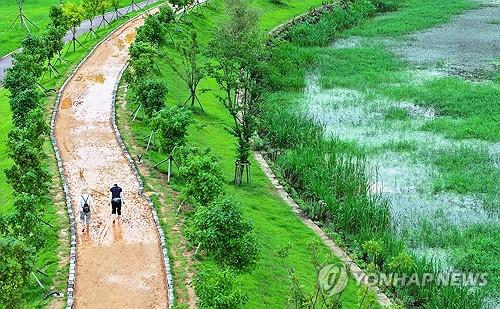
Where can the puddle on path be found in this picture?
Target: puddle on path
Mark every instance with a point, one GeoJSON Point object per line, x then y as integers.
{"type": "Point", "coordinates": [66, 103]}
{"type": "Point", "coordinates": [98, 78]}
{"type": "Point", "coordinates": [130, 37]}
{"type": "Point", "coordinates": [120, 44]}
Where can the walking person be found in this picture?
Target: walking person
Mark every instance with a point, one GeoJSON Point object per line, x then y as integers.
{"type": "Point", "coordinates": [116, 202]}
{"type": "Point", "coordinates": [84, 208]}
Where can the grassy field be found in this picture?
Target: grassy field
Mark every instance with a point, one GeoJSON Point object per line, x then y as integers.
{"type": "Point", "coordinates": [276, 226]}
{"type": "Point", "coordinates": [36, 10]}
{"type": "Point", "coordinates": [374, 105]}
{"type": "Point", "coordinates": [52, 260]}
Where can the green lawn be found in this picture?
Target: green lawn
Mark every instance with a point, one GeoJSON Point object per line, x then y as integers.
{"type": "Point", "coordinates": [36, 10]}
{"type": "Point", "coordinates": [48, 260]}
{"type": "Point", "coordinates": [276, 225]}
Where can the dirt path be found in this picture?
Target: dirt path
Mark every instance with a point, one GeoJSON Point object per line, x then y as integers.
{"type": "Point", "coordinates": [119, 265]}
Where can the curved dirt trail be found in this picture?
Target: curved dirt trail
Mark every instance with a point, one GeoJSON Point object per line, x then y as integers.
{"type": "Point", "coordinates": [119, 265]}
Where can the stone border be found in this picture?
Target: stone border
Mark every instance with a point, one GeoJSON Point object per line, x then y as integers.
{"type": "Point", "coordinates": [67, 196]}
{"type": "Point", "coordinates": [166, 261]}
{"type": "Point", "coordinates": [339, 252]}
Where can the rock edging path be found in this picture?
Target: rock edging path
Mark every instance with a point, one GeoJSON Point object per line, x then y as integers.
{"type": "Point", "coordinates": [350, 264]}
{"type": "Point", "coordinates": [118, 265]}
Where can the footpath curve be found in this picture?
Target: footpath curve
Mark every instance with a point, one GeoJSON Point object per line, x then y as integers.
{"type": "Point", "coordinates": [6, 61]}
{"type": "Point", "coordinates": [112, 265]}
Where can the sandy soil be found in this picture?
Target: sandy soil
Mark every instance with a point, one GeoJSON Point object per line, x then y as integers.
{"type": "Point", "coordinates": [119, 265]}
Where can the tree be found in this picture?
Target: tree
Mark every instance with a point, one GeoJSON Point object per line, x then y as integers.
{"type": "Point", "coordinates": [239, 53]}
{"type": "Point", "coordinates": [166, 15]}
{"type": "Point", "coordinates": [153, 31]}
{"type": "Point", "coordinates": [25, 144]}
{"type": "Point", "coordinates": [219, 289]}
{"type": "Point", "coordinates": [90, 7]}
{"type": "Point", "coordinates": [223, 233]}
{"type": "Point", "coordinates": [201, 173]}
{"type": "Point", "coordinates": [25, 222]}
{"type": "Point", "coordinates": [54, 43]}
{"type": "Point", "coordinates": [116, 6]}
{"type": "Point", "coordinates": [190, 70]}
{"type": "Point", "coordinates": [57, 17]}
{"type": "Point", "coordinates": [150, 94]}
{"type": "Point", "coordinates": [74, 13]}
{"type": "Point", "coordinates": [142, 60]}
{"type": "Point", "coordinates": [22, 103]}
{"type": "Point", "coordinates": [16, 262]}
{"type": "Point", "coordinates": [171, 124]}
{"type": "Point", "coordinates": [57, 29]}
{"type": "Point", "coordinates": [102, 7]}
{"type": "Point", "coordinates": [19, 79]}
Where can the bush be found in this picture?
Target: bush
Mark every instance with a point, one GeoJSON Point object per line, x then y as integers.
{"type": "Point", "coordinates": [166, 15]}
{"type": "Point", "coordinates": [153, 31]}
{"type": "Point", "coordinates": [225, 235]}
{"type": "Point", "coordinates": [142, 64]}
{"type": "Point", "coordinates": [151, 94]}
{"type": "Point", "coordinates": [15, 266]}
{"type": "Point", "coordinates": [201, 173]}
{"type": "Point", "coordinates": [386, 5]}
{"type": "Point", "coordinates": [171, 125]}
{"type": "Point", "coordinates": [219, 290]}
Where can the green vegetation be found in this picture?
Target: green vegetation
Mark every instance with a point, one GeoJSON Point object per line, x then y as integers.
{"type": "Point", "coordinates": [332, 179]}
{"type": "Point", "coordinates": [466, 170]}
{"type": "Point", "coordinates": [415, 14]}
{"type": "Point", "coordinates": [275, 226]}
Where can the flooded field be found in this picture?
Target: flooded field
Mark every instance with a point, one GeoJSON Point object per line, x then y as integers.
{"type": "Point", "coordinates": [441, 188]}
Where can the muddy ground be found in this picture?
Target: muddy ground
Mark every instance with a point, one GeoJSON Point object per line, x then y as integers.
{"type": "Point", "coordinates": [119, 264]}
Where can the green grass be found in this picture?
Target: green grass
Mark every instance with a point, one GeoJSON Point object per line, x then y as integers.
{"type": "Point", "coordinates": [36, 10]}
{"type": "Point", "coordinates": [379, 75]}
{"type": "Point", "coordinates": [275, 224]}
{"type": "Point", "coordinates": [47, 259]}
{"type": "Point", "coordinates": [413, 16]}
{"type": "Point", "coordinates": [396, 113]}
{"type": "Point", "coordinates": [360, 68]}
{"type": "Point", "coordinates": [470, 109]}
{"type": "Point", "coordinates": [467, 170]}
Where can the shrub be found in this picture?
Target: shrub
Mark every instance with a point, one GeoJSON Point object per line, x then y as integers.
{"type": "Point", "coordinates": [225, 235]}
{"type": "Point", "coordinates": [153, 31]}
{"type": "Point", "coordinates": [386, 5]}
{"type": "Point", "coordinates": [151, 94]}
{"type": "Point", "coordinates": [219, 289]}
{"type": "Point", "coordinates": [15, 266]}
{"type": "Point", "coordinates": [171, 124]}
{"type": "Point", "coordinates": [201, 173]}
{"type": "Point", "coordinates": [166, 15]}
{"type": "Point", "coordinates": [142, 64]}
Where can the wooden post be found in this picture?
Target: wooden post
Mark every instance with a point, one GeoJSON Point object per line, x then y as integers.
{"type": "Point", "coordinates": [169, 168]}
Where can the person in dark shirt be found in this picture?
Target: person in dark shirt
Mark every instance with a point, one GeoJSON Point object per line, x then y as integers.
{"type": "Point", "coordinates": [116, 201]}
